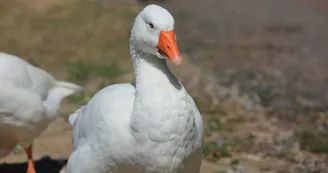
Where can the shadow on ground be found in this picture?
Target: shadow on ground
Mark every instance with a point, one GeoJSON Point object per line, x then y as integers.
{"type": "Point", "coordinates": [44, 165]}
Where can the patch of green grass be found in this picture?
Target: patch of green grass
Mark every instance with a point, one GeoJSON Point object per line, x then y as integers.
{"type": "Point", "coordinates": [283, 171]}
{"type": "Point", "coordinates": [283, 154]}
{"type": "Point", "coordinates": [316, 142]}
{"type": "Point", "coordinates": [240, 143]}
{"type": "Point", "coordinates": [213, 150]}
{"type": "Point", "coordinates": [220, 171]}
{"type": "Point", "coordinates": [251, 136]}
{"type": "Point", "coordinates": [234, 162]}
{"type": "Point", "coordinates": [216, 125]}
{"type": "Point", "coordinates": [300, 169]}
{"type": "Point", "coordinates": [197, 102]}
{"type": "Point", "coordinates": [80, 99]}
{"type": "Point", "coordinates": [216, 150]}
{"type": "Point", "coordinates": [34, 63]}
{"type": "Point", "coordinates": [83, 71]}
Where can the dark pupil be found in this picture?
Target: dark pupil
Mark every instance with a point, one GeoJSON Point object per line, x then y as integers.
{"type": "Point", "coordinates": [151, 25]}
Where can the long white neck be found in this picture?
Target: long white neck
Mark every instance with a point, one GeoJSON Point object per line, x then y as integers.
{"type": "Point", "coordinates": [150, 71]}
{"type": "Point", "coordinates": [158, 99]}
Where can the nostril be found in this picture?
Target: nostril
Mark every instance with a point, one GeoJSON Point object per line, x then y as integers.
{"type": "Point", "coordinates": [168, 47]}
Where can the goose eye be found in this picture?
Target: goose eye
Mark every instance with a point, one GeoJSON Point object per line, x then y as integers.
{"type": "Point", "coordinates": [151, 25]}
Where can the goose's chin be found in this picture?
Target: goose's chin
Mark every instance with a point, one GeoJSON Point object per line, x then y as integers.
{"type": "Point", "coordinates": [161, 56]}
{"type": "Point", "coordinates": [177, 60]}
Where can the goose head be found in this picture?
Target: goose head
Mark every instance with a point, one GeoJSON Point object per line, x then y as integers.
{"type": "Point", "coordinates": [153, 33]}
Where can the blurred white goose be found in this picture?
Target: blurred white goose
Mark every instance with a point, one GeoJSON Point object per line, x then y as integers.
{"type": "Point", "coordinates": [29, 100]}
{"type": "Point", "coordinates": [150, 126]}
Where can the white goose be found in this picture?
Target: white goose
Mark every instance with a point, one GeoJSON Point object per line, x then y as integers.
{"type": "Point", "coordinates": [150, 126]}
{"type": "Point", "coordinates": [29, 100]}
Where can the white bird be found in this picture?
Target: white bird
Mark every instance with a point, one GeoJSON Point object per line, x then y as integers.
{"type": "Point", "coordinates": [30, 99]}
{"type": "Point", "coordinates": [150, 126]}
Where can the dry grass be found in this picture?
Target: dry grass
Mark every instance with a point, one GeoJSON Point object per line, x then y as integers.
{"type": "Point", "coordinates": [76, 40]}
{"type": "Point", "coordinates": [67, 33]}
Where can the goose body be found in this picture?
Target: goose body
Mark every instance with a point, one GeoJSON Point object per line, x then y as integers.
{"type": "Point", "coordinates": [150, 126]}
{"type": "Point", "coordinates": [29, 100]}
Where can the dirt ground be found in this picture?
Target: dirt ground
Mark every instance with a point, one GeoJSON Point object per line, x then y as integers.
{"type": "Point", "coordinates": [53, 148]}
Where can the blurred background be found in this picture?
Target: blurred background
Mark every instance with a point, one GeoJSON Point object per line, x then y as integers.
{"type": "Point", "coordinates": [257, 70]}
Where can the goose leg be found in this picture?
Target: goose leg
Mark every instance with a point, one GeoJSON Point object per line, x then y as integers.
{"type": "Point", "coordinates": [30, 163]}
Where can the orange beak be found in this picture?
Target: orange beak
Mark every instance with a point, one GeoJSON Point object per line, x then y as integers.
{"type": "Point", "coordinates": [167, 46]}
